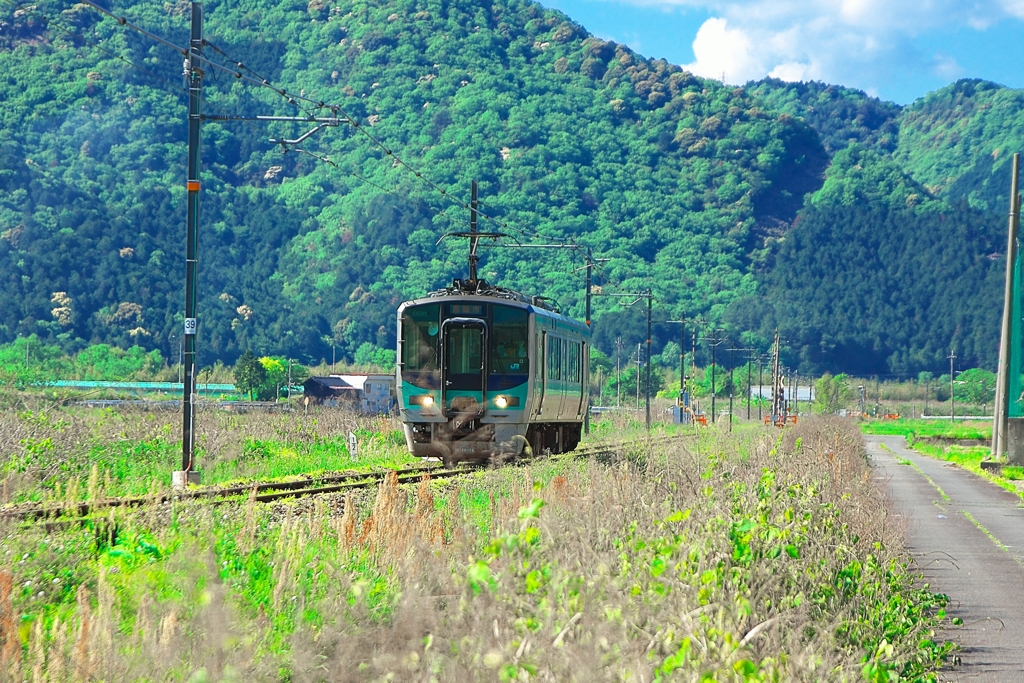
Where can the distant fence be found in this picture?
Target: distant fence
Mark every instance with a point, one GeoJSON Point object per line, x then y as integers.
{"type": "Point", "coordinates": [166, 387]}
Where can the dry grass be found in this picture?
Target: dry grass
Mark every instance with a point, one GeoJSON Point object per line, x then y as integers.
{"type": "Point", "coordinates": [765, 556]}
{"type": "Point", "coordinates": [46, 445]}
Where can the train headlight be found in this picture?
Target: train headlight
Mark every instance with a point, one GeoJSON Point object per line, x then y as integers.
{"type": "Point", "coordinates": [422, 400]}
{"type": "Point", "coordinates": [501, 402]}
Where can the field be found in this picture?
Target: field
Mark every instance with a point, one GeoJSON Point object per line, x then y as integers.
{"type": "Point", "coordinates": [757, 556]}
{"type": "Point", "coordinates": [941, 429]}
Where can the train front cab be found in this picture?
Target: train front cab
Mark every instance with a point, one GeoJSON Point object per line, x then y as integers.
{"type": "Point", "coordinates": [464, 376]}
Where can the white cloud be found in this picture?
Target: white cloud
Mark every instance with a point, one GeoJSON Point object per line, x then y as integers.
{"type": "Point", "coordinates": [947, 67]}
{"type": "Point", "coordinates": [792, 71]}
{"type": "Point", "coordinates": [725, 53]}
{"type": "Point", "coordinates": [847, 41]}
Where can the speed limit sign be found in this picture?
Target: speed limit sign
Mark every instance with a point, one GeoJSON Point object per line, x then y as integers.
{"type": "Point", "coordinates": [190, 325]}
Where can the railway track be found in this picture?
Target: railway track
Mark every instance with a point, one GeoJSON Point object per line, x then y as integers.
{"type": "Point", "coordinates": [264, 492]}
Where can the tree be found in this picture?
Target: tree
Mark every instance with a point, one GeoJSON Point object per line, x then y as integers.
{"type": "Point", "coordinates": [976, 386]}
{"type": "Point", "coordinates": [249, 374]}
{"type": "Point", "coordinates": [370, 355]}
{"type": "Point", "coordinates": [275, 376]}
{"type": "Point", "coordinates": [831, 394]}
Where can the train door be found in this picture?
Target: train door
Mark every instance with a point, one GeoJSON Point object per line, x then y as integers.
{"type": "Point", "coordinates": [565, 394]}
{"type": "Point", "coordinates": [463, 371]}
{"type": "Point", "coordinates": [585, 376]}
{"type": "Point", "coordinates": [539, 373]}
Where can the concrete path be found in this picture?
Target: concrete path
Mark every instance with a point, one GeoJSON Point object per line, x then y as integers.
{"type": "Point", "coordinates": [967, 536]}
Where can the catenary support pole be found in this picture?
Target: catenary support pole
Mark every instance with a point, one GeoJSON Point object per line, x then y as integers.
{"type": "Point", "coordinates": [194, 76]}
{"type": "Point", "coordinates": [749, 360]}
{"type": "Point", "coordinates": [952, 396]}
{"type": "Point", "coordinates": [760, 385]}
{"type": "Point", "coordinates": [650, 301]}
{"type": "Point", "coordinates": [714, 343]}
{"type": "Point", "coordinates": [1001, 411]}
{"type": "Point", "coordinates": [586, 414]}
{"type": "Point", "coordinates": [732, 387]}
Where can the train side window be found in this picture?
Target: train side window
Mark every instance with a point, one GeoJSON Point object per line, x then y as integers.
{"type": "Point", "coordinates": [509, 340]}
{"type": "Point", "coordinates": [574, 362]}
{"type": "Point", "coordinates": [554, 358]}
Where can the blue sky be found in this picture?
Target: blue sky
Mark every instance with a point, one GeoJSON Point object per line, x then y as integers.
{"type": "Point", "coordinates": [896, 49]}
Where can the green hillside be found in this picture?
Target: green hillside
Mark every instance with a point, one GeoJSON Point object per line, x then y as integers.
{"type": "Point", "coordinates": [717, 197]}
{"type": "Point", "coordinates": [957, 141]}
{"type": "Point", "coordinates": [676, 178]}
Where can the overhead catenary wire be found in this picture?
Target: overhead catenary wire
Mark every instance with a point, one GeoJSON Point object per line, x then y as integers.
{"type": "Point", "coordinates": [294, 98]}
{"type": "Point", "coordinates": [171, 87]}
{"type": "Point", "coordinates": [178, 90]}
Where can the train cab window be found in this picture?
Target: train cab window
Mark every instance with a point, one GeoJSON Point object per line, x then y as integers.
{"type": "Point", "coordinates": [421, 346]}
{"type": "Point", "coordinates": [510, 344]}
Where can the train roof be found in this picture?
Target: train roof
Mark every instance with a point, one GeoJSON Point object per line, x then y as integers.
{"type": "Point", "coordinates": [474, 291]}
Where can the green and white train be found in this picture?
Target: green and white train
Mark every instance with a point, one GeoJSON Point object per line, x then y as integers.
{"type": "Point", "coordinates": [483, 371]}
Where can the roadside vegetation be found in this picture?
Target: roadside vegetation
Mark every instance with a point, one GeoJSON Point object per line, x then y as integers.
{"type": "Point", "coordinates": [757, 556]}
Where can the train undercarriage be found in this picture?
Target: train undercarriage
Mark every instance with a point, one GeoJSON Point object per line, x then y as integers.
{"type": "Point", "coordinates": [470, 440]}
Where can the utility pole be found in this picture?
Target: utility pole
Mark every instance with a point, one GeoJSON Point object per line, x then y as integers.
{"type": "Point", "coordinates": [618, 372]}
{"type": "Point", "coordinates": [796, 392]}
{"type": "Point", "coordinates": [778, 394]}
{"type": "Point", "coordinates": [732, 387]}
{"type": "Point", "coordinates": [1001, 411]}
{"type": "Point", "coordinates": [650, 303]}
{"type": "Point", "coordinates": [194, 76]}
{"type": "Point", "coordinates": [749, 361]}
{"type": "Point", "coordinates": [952, 397]}
{"type": "Point", "coordinates": [639, 362]}
{"type": "Point", "coordinates": [591, 262]}
{"type": "Point", "coordinates": [760, 384]}
{"type": "Point", "coordinates": [289, 381]}
{"type": "Point", "coordinates": [715, 341]}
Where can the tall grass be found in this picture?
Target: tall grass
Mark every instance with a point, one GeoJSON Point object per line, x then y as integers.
{"type": "Point", "coordinates": [47, 448]}
{"type": "Point", "coordinates": [761, 556]}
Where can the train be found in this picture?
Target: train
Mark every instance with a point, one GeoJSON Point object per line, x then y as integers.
{"type": "Point", "coordinates": [485, 372]}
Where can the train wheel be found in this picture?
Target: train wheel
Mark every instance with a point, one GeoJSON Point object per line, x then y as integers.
{"type": "Point", "coordinates": [572, 437]}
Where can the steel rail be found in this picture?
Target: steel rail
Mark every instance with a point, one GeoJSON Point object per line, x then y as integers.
{"type": "Point", "coordinates": [264, 492]}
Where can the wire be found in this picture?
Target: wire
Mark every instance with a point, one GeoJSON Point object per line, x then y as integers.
{"type": "Point", "coordinates": [291, 97]}
{"type": "Point", "coordinates": [70, 32]}
{"type": "Point", "coordinates": [240, 65]}
{"type": "Point", "coordinates": [338, 109]}
{"type": "Point", "coordinates": [294, 99]}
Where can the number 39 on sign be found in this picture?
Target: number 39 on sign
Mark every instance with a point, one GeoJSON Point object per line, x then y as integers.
{"type": "Point", "coordinates": [190, 325]}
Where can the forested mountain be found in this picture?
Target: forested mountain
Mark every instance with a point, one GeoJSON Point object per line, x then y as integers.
{"type": "Point", "coordinates": [761, 205]}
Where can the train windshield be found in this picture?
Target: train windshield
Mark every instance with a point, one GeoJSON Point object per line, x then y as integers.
{"type": "Point", "coordinates": [421, 346]}
{"type": "Point", "coordinates": [510, 358]}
